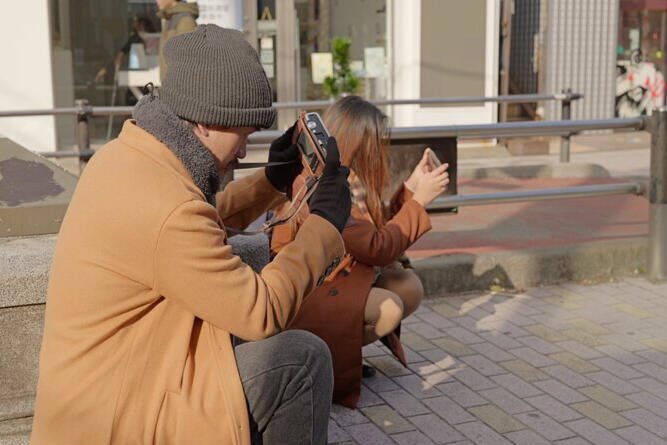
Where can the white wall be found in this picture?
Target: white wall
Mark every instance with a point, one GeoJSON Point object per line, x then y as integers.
{"type": "Point", "coordinates": [26, 74]}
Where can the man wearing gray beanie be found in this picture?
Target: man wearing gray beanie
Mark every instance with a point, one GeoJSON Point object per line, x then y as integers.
{"type": "Point", "coordinates": [147, 305]}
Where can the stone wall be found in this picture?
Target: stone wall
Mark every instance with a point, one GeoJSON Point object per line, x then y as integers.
{"type": "Point", "coordinates": [24, 267]}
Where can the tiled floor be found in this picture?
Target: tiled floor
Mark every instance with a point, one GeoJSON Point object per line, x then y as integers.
{"type": "Point", "coordinates": [564, 364]}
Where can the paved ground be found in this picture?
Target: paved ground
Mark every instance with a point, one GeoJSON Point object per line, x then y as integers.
{"type": "Point", "coordinates": [564, 364]}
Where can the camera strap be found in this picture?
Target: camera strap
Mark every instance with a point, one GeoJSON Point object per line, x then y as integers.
{"type": "Point", "coordinates": [298, 200]}
{"type": "Point", "coordinates": [246, 165]}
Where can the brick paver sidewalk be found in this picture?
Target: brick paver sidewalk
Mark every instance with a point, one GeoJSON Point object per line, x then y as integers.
{"type": "Point", "coordinates": [564, 364]}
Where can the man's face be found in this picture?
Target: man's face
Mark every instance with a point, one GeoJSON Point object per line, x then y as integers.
{"type": "Point", "coordinates": [226, 144]}
{"type": "Point", "coordinates": [162, 4]}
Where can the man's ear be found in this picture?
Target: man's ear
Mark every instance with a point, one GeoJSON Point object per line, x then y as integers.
{"type": "Point", "coordinates": [202, 130]}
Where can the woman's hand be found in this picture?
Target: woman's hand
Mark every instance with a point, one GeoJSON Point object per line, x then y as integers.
{"type": "Point", "coordinates": [431, 185]}
{"type": "Point", "coordinates": [424, 166]}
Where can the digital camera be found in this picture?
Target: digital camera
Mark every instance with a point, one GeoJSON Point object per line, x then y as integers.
{"type": "Point", "coordinates": [311, 136]}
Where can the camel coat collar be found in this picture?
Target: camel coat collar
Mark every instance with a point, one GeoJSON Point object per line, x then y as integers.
{"type": "Point", "coordinates": [158, 120]}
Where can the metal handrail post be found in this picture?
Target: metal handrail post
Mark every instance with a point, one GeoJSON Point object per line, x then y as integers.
{"type": "Point", "coordinates": [84, 110]}
{"type": "Point", "coordinates": [565, 115]}
{"type": "Point", "coordinates": [657, 223]}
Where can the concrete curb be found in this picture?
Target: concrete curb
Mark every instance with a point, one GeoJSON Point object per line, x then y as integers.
{"type": "Point", "coordinates": [569, 170]}
{"type": "Point", "coordinates": [601, 260]}
{"type": "Point", "coordinates": [24, 269]}
{"type": "Point", "coordinates": [16, 431]}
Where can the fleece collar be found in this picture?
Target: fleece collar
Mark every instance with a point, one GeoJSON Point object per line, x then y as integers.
{"type": "Point", "coordinates": [154, 117]}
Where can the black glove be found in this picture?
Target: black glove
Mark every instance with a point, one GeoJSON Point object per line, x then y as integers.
{"type": "Point", "coordinates": [283, 150]}
{"type": "Point", "coordinates": [331, 200]}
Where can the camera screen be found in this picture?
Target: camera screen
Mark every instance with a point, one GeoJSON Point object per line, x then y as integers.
{"type": "Point", "coordinates": [307, 148]}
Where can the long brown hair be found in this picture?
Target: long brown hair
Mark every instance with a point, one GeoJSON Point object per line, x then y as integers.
{"type": "Point", "coordinates": [360, 129]}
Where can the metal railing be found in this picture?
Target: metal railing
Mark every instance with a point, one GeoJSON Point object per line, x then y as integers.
{"type": "Point", "coordinates": [83, 111]}
{"type": "Point", "coordinates": [656, 192]}
{"type": "Point", "coordinates": [567, 96]}
{"type": "Point", "coordinates": [582, 191]}
{"type": "Point", "coordinates": [481, 131]}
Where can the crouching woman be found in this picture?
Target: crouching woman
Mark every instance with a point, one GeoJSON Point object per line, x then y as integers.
{"type": "Point", "coordinates": [366, 297]}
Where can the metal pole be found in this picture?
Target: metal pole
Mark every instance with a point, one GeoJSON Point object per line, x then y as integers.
{"type": "Point", "coordinates": [82, 130]}
{"type": "Point", "coordinates": [320, 104]}
{"type": "Point", "coordinates": [505, 129]}
{"type": "Point", "coordinates": [657, 224]}
{"type": "Point", "coordinates": [583, 191]}
{"type": "Point", "coordinates": [566, 112]}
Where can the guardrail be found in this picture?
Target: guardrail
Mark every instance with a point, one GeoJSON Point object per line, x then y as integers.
{"type": "Point", "coordinates": [656, 192]}
{"type": "Point", "coordinates": [567, 96]}
{"type": "Point", "coordinates": [83, 111]}
{"type": "Point", "coordinates": [584, 191]}
{"type": "Point", "coordinates": [508, 129]}
{"type": "Point", "coordinates": [82, 106]}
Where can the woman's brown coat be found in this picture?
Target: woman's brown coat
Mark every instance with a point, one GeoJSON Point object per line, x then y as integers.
{"type": "Point", "coordinates": [335, 310]}
{"type": "Point", "coordinates": [144, 293]}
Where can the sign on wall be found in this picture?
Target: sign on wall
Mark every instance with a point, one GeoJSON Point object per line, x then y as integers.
{"type": "Point", "coordinates": [225, 13]}
{"type": "Point", "coordinates": [374, 61]}
{"type": "Point", "coordinates": [321, 65]}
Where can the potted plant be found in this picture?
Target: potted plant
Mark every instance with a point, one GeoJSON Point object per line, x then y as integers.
{"type": "Point", "coordinates": [343, 81]}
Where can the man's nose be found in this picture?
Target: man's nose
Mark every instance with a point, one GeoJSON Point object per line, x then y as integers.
{"type": "Point", "coordinates": [242, 152]}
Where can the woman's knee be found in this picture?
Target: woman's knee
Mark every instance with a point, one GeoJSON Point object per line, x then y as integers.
{"type": "Point", "coordinates": [384, 311]}
{"type": "Point", "coordinates": [406, 284]}
{"type": "Point", "coordinates": [413, 293]}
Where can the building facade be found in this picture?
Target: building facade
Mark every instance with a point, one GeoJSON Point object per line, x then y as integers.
{"type": "Point", "coordinates": [399, 49]}
{"type": "Point", "coordinates": [612, 51]}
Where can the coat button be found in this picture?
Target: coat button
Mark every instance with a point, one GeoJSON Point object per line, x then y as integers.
{"type": "Point", "coordinates": [333, 292]}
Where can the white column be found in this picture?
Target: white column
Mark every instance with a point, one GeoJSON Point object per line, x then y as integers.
{"type": "Point", "coordinates": [26, 80]}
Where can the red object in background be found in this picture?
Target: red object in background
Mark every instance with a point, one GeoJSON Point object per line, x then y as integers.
{"type": "Point", "coordinates": [643, 5]}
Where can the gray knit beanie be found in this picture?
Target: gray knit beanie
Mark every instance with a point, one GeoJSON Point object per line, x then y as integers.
{"type": "Point", "coordinates": [214, 77]}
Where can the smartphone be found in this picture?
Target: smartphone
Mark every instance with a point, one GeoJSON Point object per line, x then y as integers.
{"type": "Point", "coordinates": [311, 136]}
{"type": "Point", "coordinates": [434, 159]}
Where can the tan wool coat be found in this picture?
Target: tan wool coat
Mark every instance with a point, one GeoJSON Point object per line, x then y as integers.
{"type": "Point", "coordinates": [144, 295]}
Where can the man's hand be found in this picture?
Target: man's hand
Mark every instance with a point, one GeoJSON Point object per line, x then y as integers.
{"type": "Point", "coordinates": [331, 200]}
{"type": "Point", "coordinates": [283, 150]}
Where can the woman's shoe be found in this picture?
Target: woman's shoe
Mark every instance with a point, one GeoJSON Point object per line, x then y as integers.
{"type": "Point", "coordinates": [367, 371]}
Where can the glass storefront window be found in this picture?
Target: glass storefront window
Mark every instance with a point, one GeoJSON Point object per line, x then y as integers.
{"type": "Point", "coordinates": [641, 60]}
{"type": "Point", "coordinates": [363, 22]}
{"type": "Point", "coordinates": [88, 38]}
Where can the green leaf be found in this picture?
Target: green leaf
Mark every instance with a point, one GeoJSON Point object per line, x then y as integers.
{"type": "Point", "coordinates": [343, 80]}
